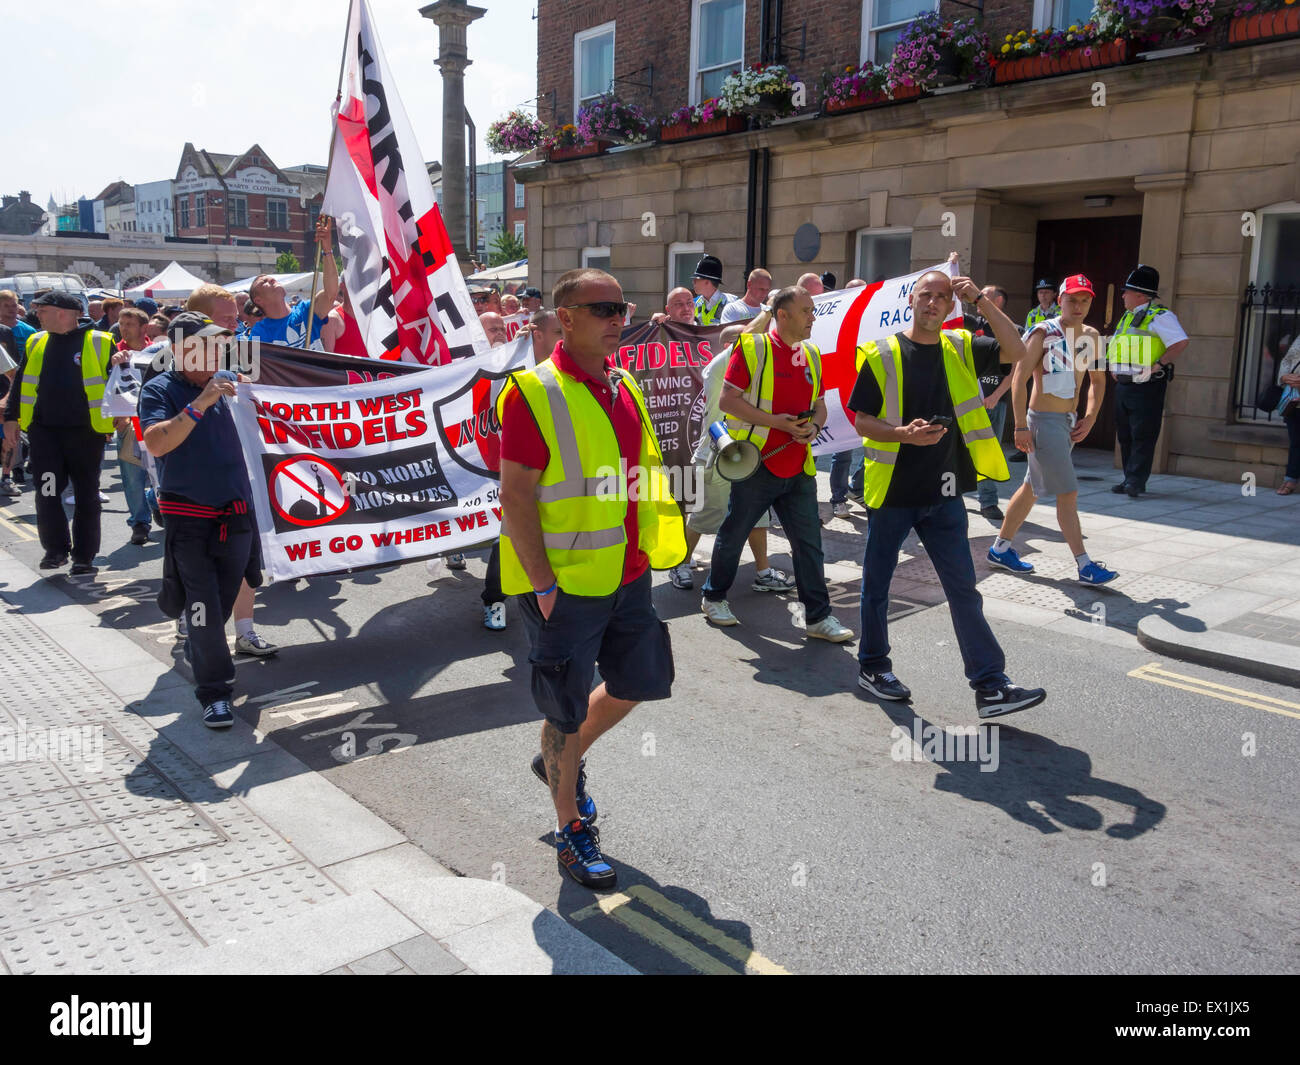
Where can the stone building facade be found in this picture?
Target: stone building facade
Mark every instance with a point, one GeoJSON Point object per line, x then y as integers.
{"type": "Point", "coordinates": [1189, 163]}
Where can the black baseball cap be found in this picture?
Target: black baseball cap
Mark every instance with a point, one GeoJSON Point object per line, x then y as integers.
{"type": "Point", "coordinates": [63, 300]}
{"type": "Point", "coordinates": [193, 324]}
{"type": "Point", "coordinates": [531, 294]}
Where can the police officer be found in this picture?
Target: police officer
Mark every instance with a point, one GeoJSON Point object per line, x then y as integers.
{"type": "Point", "coordinates": [709, 297]}
{"type": "Point", "coordinates": [55, 399]}
{"type": "Point", "coordinates": [577, 548]}
{"type": "Point", "coordinates": [1147, 341]}
{"type": "Point", "coordinates": [1047, 307]}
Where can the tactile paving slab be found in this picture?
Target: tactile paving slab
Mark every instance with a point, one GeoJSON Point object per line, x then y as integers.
{"type": "Point", "coordinates": [170, 830]}
{"type": "Point", "coordinates": [240, 907]}
{"type": "Point", "coordinates": [69, 896]}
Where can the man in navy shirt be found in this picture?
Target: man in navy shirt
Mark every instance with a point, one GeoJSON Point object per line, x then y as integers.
{"type": "Point", "coordinates": [210, 543]}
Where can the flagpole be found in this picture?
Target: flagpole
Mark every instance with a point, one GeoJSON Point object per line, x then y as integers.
{"type": "Point", "coordinates": [329, 165]}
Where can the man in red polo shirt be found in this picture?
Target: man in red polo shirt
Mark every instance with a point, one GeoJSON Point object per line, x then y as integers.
{"type": "Point", "coordinates": [572, 626]}
{"type": "Point", "coordinates": [792, 415]}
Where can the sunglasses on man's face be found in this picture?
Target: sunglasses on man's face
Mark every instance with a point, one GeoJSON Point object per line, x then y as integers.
{"type": "Point", "coordinates": [602, 308]}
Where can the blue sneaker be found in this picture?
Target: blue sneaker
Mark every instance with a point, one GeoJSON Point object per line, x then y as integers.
{"type": "Point", "coordinates": [1008, 559]}
{"type": "Point", "coordinates": [586, 804]}
{"type": "Point", "coordinates": [1096, 573]}
{"type": "Point", "coordinates": [579, 856]}
{"type": "Point", "coordinates": [218, 715]}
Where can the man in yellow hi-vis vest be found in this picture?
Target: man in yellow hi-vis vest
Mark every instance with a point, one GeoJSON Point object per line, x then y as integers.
{"type": "Point", "coordinates": [772, 394]}
{"type": "Point", "coordinates": [587, 514]}
{"type": "Point", "coordinates": [918, 405]}
{"type": "Point", "coordinates": [55, 399]}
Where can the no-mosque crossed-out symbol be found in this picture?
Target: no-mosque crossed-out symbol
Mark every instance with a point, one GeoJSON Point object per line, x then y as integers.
{"type": "Point", "coordinates": [297, 501]}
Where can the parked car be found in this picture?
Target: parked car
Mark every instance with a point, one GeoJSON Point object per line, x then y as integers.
{"type": "Point", "coordinates": [28, 284]}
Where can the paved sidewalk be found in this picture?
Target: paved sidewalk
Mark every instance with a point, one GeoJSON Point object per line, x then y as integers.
{"type": "Point", "coordinates": [140, 841]}
{"type": "Point", "coordinates": [1207, 574]}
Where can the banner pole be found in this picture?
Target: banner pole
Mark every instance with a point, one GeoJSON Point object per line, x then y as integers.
{"type": "Point", "coordinates": [329, 165]}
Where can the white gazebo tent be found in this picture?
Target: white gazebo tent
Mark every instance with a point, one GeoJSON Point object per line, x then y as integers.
{"type": "Point", "coordinates": [504, 274]}
{"type": "Point", "coordinates": [174, 283]}
{"type": "Point", "coordinates": [294, 284]}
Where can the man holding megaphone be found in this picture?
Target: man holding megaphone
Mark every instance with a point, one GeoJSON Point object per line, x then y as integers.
{"type": "Point", "coordinates": [772, 394]}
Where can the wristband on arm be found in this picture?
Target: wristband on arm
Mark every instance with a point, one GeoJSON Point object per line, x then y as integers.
{"type": "Point", "coordinates": [548, 591]}
{"type": "Point", "coordinates": [193, 412]}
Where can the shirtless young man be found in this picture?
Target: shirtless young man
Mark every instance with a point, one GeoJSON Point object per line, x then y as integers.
{"type": "Point", "coordinates": [1051, 428]}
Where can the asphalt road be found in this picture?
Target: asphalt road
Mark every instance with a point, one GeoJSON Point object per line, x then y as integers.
{"type": "Point", "coordinates": [772, 815]}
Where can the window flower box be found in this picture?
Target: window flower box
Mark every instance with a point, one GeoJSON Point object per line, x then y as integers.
{"type": "Point", "coordinates": [560, 153]}
{"type": "Point", "coordinates": [872, 98]}
{"type": "Point", "coordinates": [1284, 22]}
{"type": "Point", "coordinates": [1090, 57]}
{"type": "Point", "coordinates": [686, 130]}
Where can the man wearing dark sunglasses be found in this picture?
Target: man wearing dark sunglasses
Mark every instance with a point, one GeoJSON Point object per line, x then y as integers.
{"type": "Point", "coordinates": [587, 513]}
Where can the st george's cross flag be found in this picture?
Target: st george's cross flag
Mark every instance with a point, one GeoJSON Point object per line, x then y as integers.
{"type": "Point", "coordinates": [405, 286]}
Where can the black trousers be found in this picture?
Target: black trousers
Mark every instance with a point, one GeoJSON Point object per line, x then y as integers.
{"type": "Point", "coordinates": [210, 570]}
{"type": "Point", "coordinates": [58, 455]}
{"type": "Point", "coordinates": [1139, 411]}
{"type": "Point", "coordinates": [492, 579]}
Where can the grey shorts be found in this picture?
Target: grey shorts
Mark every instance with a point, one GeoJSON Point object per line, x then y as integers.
{"type": "Point", "coordinates": [1051, 469]}
{"type": "Point", "coordinates": [715, 494]}
{"type": "Point", "coordinates": [621, 633]}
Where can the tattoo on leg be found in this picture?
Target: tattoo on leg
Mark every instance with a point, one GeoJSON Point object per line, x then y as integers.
{"type": "Point", "coordinates": [553, 741]}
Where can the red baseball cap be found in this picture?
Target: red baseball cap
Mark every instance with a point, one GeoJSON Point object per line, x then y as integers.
{"type": "Point", "coordinates": [1076, 283]}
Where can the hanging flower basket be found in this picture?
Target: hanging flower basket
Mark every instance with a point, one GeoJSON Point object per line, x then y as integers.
{"type": "Point", "coordinates": [578, 151]}
{"type": "Point", "coordinates": [875, 98]}
{"type": "Point", "coordinates": [777, 103]}
{"type": "Point", "coordinates": [1285, 22]}
{"type": "Point", "coordinates": [1106, 54]}
{"type": "Point", "coordinates": [686, 130]}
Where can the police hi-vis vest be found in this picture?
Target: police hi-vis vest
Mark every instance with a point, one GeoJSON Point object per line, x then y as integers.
{"type": "Point", "coordinates": [758, 359]}
{"type": "Point", "coordinates": [967, 402]}
{"type": "Point", "coordinates": [708, 314]}
{"type": "Point", "coordinates": [1134, 349]}
{"type": "Point", "coordinates": [96, 354]}
{"type": "Point", "coordinates": [1039, 315]}
{"type": "Point", "coordinates": [582, 497]}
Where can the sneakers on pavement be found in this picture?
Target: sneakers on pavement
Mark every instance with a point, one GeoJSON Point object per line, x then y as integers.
{"type": "Point", "coordinates": [857, 497]}
{"type": "Point", "coordinates": [586, 804]}
{"type": "Point", "coordinates": [1096, 573]}
{"type": "Point", "coordinates": [578, 853]}
{"type": "Point", "coordinates": [54, 561]}
{"type": "Point", "coordinates": [681, 576]}
{"type": "Point", "coordinates": [993, 512]}
{"type": "Point", "coordinates": [884, 686]}
{"type": "Point", "coordinates": [81, 569]}
{"type": "Point", "coordinates": [719, 613]}
{"type": "Point", "coordinates": [840, 510]}
{"type": "Point", "coordinates": [774, 580]}
{"type": "Point", "coordinates": [255, 644]}
{"type": "Point", "coordinates": [830, 629]}
{"type": "Point", "coordinates": [1008, 559]}
{"type": "Point", "coordinates": [997, 702]}
{"type": "Point", "coordinates": [494, 616]}
{"type": "Point", "coordinates": [218, 715]}
{"type": "Point", "coordinates": [70, 499]}
{"type": "Point", "coordinates": [455, 561]}
{"type": "Point", "coordinates": [140, 534]}
{"type": "Point", "coordinates": [8, 488]}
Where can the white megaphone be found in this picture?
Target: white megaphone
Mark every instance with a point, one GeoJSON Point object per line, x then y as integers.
{"type": "Point", "coordinates": [736, 459]}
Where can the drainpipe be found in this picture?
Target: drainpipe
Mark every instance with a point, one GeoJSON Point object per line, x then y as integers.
{"type": "Point", "coordinates": [751, 193]}
{"type": "Point", "coordinates": [762, 218]}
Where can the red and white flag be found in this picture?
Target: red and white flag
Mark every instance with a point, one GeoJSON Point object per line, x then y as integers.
{"type": "Point", "coordinates": [405, 286]}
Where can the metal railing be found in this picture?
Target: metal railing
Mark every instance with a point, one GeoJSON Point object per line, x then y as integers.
{"type": "Point", "coordinates": [1269, 327]}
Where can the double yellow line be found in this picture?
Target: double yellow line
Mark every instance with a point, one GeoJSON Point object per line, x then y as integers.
{"type": "Point", "coordinates": [1241, 697]}
{"type": "Point", "coordinates": [10, 520]}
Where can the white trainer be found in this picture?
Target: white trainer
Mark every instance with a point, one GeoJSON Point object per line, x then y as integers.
{"type": "Point", "coordinates": [255, 644]}
{"type": "Point", "coordinates": [840, 510]}
{"type": "Point", "coordinates": [718, 613]}
{"type": "Point", "coordinates": [494, 616]}
{"type": "Point", "coordinates": [774, 580]}
{"type": "Point", "coordinates": [830, 629]}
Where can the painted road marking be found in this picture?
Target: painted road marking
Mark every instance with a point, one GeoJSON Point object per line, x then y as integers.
{"type": "Point", "coordinates": [617, 906]}
{"type": "Point", "coordinates": [1156, 675]}
{"type": "Point", "coordinates": [9, 520]}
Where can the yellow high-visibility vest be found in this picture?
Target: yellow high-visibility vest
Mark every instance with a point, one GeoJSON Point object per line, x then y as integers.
{"type": "Point", "coordinates": [757, 350]}
{"type": "Point", "coordinates": [96, 354]}
{"type": "Point", "coordinates": [1134, 348]}
{"type": "Point", "coordinates": [582, 497]}
{"type": "Point", "coordinates": [1039, 315]}
{"type": "Point", "coordinates": [967, 402]}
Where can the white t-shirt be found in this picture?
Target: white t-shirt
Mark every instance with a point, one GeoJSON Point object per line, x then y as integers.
{"type": "Point", "coordinates": [739, 311]}
{"type": "Point", "coordinates": [1166, 326]}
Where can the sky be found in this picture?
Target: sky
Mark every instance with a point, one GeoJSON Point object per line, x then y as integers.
{"type": "Point", "coordinates": [119, 104]}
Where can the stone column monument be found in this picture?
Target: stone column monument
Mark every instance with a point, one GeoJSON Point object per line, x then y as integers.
{"type": "Point", "coordinates": [452, 17]}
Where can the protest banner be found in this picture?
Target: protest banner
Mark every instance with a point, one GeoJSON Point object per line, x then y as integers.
{"type": "Point", "coordinates": [376, 472]}
{"type": "Point", "coordinates": [515, 322]}
{"type": "Point", "coordinates": [407, 291]}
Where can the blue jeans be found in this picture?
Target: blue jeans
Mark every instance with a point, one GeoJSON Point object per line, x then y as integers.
{"type": "Point", "coordinates": [842, 462]}
{"type": "Point", "coordinates": [795, 501]}
{"type": "Point", "coordinates": [987, 491]}
{"type": "Point", "coordinates": [134, 480]}
{"type": "Point", "coordinates": [942, 530]}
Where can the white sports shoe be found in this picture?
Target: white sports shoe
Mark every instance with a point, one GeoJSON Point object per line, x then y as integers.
{"type": "Point", "coordinates": [774, 580]}
{"type": "Point", "coordinates": [840, 510]}
{"type": "Point", "coordinates": [681, 576]}
{"type": "Point", "coordinates": [718, 613]}
{"type": "Point", "coordinates": [255, 644]}
{"type": "Point", "coordinates": [494, 616]}
{"type": "Point", "coordinates": [830, 629]}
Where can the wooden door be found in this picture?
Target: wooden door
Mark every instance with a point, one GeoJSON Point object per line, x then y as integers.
{"type": "Point", "coordinates": [1105, 250]}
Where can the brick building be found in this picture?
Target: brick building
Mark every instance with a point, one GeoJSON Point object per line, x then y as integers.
{"type": "Point", "coordinates": [248, 201]}
{"type": "Point", "coordinates": [1021, 179]}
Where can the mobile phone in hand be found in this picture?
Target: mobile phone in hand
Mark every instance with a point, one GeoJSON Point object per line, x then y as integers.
{"type": "Point", "coordinates": [803, 416]}
{"type": "Point", "coordinates": [941, 420]}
